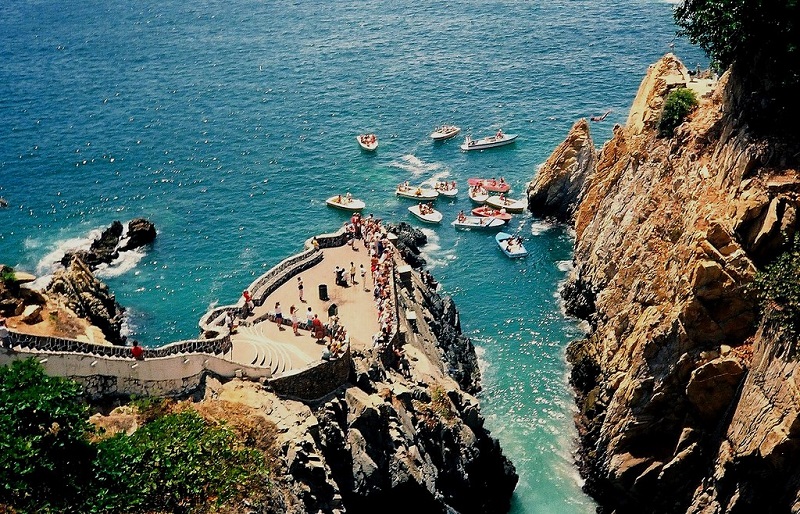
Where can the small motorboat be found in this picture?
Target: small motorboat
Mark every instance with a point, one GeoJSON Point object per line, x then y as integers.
{"type": "Point", "coordinates": [511, 245]}
{"type": "Point", "coordinates": [501, 202]}
{"type": "Point", "coordinates": [345, 202]}
{"type": "Point", "coordinates": [445, 132]}
{"type": "Point", "coordinates": [478, 194]}
{"type": "Point", "coordinates": [477, 223]}
{"type": "Point", "coordinates": [448, 189]}
{"type": "Point", "coordinates": [368, 142]}
{"type": "Point", "coordinates": [499, 139]}
{"type": "Point", "coordinates": [426, 213]}
{"type": "Point", "coordinates": [416, 192]}
{"type": "Point", "coordinates": [488, 212]}
{"type": "Point", "coordinates": [491, 185]}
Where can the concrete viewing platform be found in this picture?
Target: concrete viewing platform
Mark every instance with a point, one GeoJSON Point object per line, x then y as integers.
{"type": "Point", "coordinates": [264, 344]}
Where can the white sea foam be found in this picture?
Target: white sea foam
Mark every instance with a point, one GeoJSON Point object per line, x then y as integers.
{"type": "Point", "coordinates": [565, 266]}
{"type": "Point", "coordinates": [126, 262]}
{"type": "Point", "coordinates": [415, 165]}
{"type": "Point", "coordinates": [539, 227]}
{"type": "Point", "coordinates": [432, 250]}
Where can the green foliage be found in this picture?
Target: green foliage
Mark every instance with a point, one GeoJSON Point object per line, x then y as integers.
{"type": "Point", "coordinates": [778, 286]}
{"type": "Point", "coordinates": [177, 463]}
{"type": "Point", "coordinates": [440, 403]}
{"type": "Point", "coordinates": [7, 274]}
{"type": "Point", "coordinates": [150, 408]}
{"type": "Point", "coordinates": [761, 38]}
{"type": "Point", "coordinates": [677, 106]}
{"type": "Point", "coordinates": [44, 454]}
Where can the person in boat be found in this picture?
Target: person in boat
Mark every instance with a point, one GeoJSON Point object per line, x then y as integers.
{"type": "Point", "coordinates": [418, 192]}
{"type": "Point", "coordinates": [499, 134]}
{"type": "Point", "coordinates": [502, 180]}
{"type": "Point", "coordinates": [502, 198]}
{"type": "Point", "coordinates": [453, 185]}
{"type": "Point", "coordinates": [461, 216]}
{"type": "Point", "coordinates": [339, 199]}
{"type": "Point", "coordinates": [348, 197]}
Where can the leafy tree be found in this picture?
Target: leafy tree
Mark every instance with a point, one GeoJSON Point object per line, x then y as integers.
{"type": "Point", "coordinates": [176, 463]}
{"type": "Point", "coordinates": [44, 454]}
{"type": "Point", "coordinates": [677, 106]}
{"type": "Point", "coordinates": [760, 39]}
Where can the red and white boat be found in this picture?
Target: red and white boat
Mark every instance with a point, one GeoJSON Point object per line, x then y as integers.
{"type": "Point", "coordinates": [491, 185]}
{"type": "Point", "coordinates": [489, 212]}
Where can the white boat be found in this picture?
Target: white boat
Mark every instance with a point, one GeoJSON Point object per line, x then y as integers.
{"type": "Point", "coordinates": [478, 195]}
{"type": "Point", "coordinates": [511, 245]}
{"type": "Point", "coordinates": [417, 192]}
{"type": "Point", "coordinates": [494, 141]}
{"type": "Point", "coordinates": [445, 132]}
{"type": "Point", "coordinates": [447, 189]}
{"type": "Point", "coordinates": [345, 202]}
{"type": "Point", "coordinates": [501, 202]}
{"type": "Point", "coordinates": [431, 216]}
{"type": "Point", "coordinates": [368, 142]}
{"type": "Point", "coordinates": [478, 223]}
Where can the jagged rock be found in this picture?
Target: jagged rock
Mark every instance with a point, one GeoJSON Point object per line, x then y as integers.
{"type": "Point", "coordinates": [32, 314]}
{"type": "Point", "coordinates": [409, 239]}
{"type": "Point", "coordinates": [89, 298]}
{"type": "Point", "coordinates": [106, 248]}
{"type": "Point", "coordinates": [668, 235]}
{"type": "Point", "coordinates": [141, 232]}
{"type": "Point", "coordinates": [559, 184]}
{"type": "Point", "coordinates": [713, 386]}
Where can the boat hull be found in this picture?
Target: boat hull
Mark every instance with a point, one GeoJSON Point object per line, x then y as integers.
{"type": "Point", "coordinates": [353, 205]}
{"type": "Point", "coordinates": [433, 217]}
{"type": "Point", "coordinates": [424, 194]}
{"type": "Point", "coordinates": [488, 142]}
{"type": "Point", "coordinates": [514, 252]}
{"type": "Point", "coordinates": [368, 147]}
{"type": "Point", "coordinates": [491, 185]}
{"type": "Point", "coordinates": [444, 133]}
{"type": "Point", "coordinates": [515, 206]}
{"type": "Point", "coordinates": [488, 212]}
{"type": "Point", "coordinates": [478, 223]}
{"type": "Point", "coordinates": [450, 193]}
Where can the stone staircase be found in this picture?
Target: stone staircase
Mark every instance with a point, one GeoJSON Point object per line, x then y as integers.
{"type": "Point", "coordinates": [254, 347]}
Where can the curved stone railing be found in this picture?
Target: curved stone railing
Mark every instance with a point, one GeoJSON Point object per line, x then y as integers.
{"type": "Point", "coordinates": [177, 368]}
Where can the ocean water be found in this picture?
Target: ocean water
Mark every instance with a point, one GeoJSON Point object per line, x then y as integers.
{"type": "Point", "coordinates": [227, 123]}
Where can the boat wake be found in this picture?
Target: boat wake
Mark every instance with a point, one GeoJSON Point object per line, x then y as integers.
{"type": "Point", "coordinates": [415, 165]}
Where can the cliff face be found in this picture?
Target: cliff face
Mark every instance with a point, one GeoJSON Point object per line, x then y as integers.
{"type": "Point", "coordinates": [684, 407]}
{"type": "Point", "coordinates": [389, 440]}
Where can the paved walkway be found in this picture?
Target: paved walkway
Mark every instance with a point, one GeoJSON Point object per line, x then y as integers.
{"type": "Point", "coordinates": [264, 344]}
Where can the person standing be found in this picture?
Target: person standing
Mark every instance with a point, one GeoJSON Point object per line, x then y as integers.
{"type": "Point", "coordinates": [363, 276]}
{"type": "Point", "coordinates": [352, 273]}
{"type": "Point", "coordinates": [5, 337]}
{"type": "Point", "coordinates": [295, 321]}
{"type": "Point", "coordinates": [300, 289]}
{"type": "Point", "coordinates": [278, 316]}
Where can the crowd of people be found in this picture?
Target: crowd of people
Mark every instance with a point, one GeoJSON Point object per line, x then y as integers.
{"type": "Point", "coordinates": [425, 208]}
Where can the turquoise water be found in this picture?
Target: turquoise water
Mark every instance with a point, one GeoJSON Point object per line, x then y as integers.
{"type": "Point", "coordinates": [228, 124]}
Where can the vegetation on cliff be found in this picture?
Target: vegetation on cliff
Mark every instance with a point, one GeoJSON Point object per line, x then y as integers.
{"type": "Point", "coordinates": [53, 460]}
{"type": "Point", "coordinates": [779, 290]}
{"type": "Point", "coordinates": [677, 106]}
{"type": "Point", "coordinates": [761, 41]}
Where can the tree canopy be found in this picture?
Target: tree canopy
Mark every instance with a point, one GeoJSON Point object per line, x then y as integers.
{"type": "Point", "coordinates": [760, 40]}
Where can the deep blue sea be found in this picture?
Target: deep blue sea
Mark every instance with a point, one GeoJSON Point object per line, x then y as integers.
{"type": "Point", "coordinates": [227, 123]}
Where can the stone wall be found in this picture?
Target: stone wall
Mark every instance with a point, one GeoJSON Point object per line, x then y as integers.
{"type": "Point", "coordinates": [314, 382]}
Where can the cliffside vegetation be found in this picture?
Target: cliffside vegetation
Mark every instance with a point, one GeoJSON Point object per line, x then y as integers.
{"type": "Point", "coordinates": [677, 106]}
{"type": "Point", "coordinates": [761, 41]}
{"type": "Point", "coordinates": [53, 460]}
{"type": "Point", "coordinates": [778, 289]}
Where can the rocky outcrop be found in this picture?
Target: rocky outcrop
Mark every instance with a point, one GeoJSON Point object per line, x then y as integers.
{"type": "Point", "coordinates": [682, 406]}
{"type": "Point", "coordinates": [409, 239]}
{"type": "Point", "coordinates": [391, 440]}
{"type": "Point", "coordinates": [89, 298]}
{"type": "Point", "coordinates": [14, 298]}
{"type": "Point", "coordinates": [112, 241]}
{"type": "Point", "coordinates": [558, 187]}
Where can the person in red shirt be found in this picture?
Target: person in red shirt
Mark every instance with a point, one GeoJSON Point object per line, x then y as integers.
{"type": "Point", "coordinates": [137, 351]}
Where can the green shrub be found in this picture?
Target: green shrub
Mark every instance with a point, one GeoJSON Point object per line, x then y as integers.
{"type": "Point", "coordinates": [6, 274]}
{"type": "Point", "coordinates": [177, 463]}
{"type": "Point", "coordinates": [44, 454]}
{"type": "Point", "coordinates": [778, 287]}
{"type": "Point", "coordinates": [677, 106]}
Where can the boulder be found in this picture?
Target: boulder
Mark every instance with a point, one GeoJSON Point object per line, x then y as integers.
{"type": "Point", "coordinates": [712, 387]}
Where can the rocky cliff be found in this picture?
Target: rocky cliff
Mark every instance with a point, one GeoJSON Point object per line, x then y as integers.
{"type": "Point", "coordinates": [687, 397]}
{"type": "Point", "coordinates": [391, 440]}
